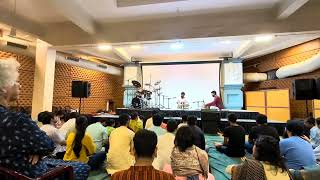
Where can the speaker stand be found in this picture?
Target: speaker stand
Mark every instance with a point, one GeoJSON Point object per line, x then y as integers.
{"type": "Point", "coordinates": [307, 109]}
{"type": "Point", "coordinates": [80, 106]}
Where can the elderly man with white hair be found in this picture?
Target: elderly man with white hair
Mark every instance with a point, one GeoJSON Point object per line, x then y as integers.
{"type": "Point", "coordinates": [22, 143]}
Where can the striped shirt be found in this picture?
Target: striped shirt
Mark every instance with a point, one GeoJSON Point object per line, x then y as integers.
{"type": "Point", "coordinates": [142, 173]}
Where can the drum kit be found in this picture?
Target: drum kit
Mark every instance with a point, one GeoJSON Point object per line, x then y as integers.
{"type": "Point", "coordinates": [146, 94]}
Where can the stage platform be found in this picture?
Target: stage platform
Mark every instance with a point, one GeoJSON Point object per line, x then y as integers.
{"type": "Point", "coordinates": [146, 113]}
{"type": "Point", "coordinates": [245, 118]}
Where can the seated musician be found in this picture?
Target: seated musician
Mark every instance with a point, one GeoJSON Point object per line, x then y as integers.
{"type": "Point", "coordinates": [182, 101]}
{"type": "Point", "coordinates": [217, 101]}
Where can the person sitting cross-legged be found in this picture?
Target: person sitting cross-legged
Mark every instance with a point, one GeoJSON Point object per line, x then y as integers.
{"type": "Point", "coordinates": [145, 150]}
{"type": "Point", "coordinates": [297, 152]}
{"type": "Point", "coordinates": [165, 146]}
{"type": "Point", "coordinates": [197, 133]}
{"type": "Point", "coordinates": [234, 139]}
{"type": "Point", "coordinates": [262, 128]}
{"type": "Point", "coordinates": [267, 164]}
{"type": "Point", "coordinates": [120, 156]}
{"type": "Point", "coordinates": [184, 119]}
{"type": "Point", "coordinates": [157, 121]}
{"type": "Point", "coordinates": [135, 123]}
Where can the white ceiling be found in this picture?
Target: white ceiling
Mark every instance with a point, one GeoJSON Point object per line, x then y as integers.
{"type": "Point", "coordinates": [107, 10]}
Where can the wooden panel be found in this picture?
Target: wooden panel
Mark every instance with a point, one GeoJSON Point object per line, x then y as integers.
{"type": "Point", "coordinates": [261, 110]}
{"type": "Point", "coordinates": [255, 98]}
{"type": "Point", "coordinates": [316, 113]}
{"type": "Point", "coordinates": [316, 104]}
{"type": "Point", "coordinates": [278, 114]}
{"type": "Point", "coordinates": [278, 98]}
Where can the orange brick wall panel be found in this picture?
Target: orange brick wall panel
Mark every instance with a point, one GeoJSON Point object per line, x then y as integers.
{"type": "Point", "coordinates": [285, 57]}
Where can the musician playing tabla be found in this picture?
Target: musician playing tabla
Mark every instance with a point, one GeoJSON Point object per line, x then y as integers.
{"type": "Point", "coordinates": [182, 101]}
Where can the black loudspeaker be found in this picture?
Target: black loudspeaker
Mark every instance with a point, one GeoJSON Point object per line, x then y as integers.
{"type": "Point", "coordinates": [317, 88]}
{"type": "Point", "coordinates": [210, 120]}
{"type": "Point", "coordinates": [304, 89]}
{"type": "Point", "coordinates": [81, 89]}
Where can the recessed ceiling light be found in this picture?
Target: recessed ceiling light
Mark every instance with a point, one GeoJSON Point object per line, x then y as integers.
{"type": "Point", "coordinates": [176, 45]}
{"type": "Point", "coordinates": [264, 38]}
{"type": "Point", "coordinates": [136, 46]}
{"type": "Point", "coordinates": [226, 42]}
{"type": "Point", "coordinates": [104, 47]}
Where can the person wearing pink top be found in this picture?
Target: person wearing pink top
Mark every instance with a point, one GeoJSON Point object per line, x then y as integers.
{"type": "Point", "coordinates": [217, 101]}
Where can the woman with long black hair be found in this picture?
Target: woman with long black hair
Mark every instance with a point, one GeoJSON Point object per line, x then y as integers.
{"type": "Point", "coordinates": [80, 146]}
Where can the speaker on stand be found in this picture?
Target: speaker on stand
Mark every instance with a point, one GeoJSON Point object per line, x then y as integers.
{"type": "Point", "coordinates": [80, 89]}
{"type": "Point", "coordinates": [304, 89]}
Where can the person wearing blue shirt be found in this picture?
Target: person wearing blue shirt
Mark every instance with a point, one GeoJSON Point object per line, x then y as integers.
{"type": "Point", "coordinates": [297, 152]}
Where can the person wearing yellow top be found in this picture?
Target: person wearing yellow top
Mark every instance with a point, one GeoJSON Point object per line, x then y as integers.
{"type": "Point", "coordinates": [135, 123]}
{"type": "Point", "coordinates": [80, 146]}
{"type": "Point", "coordinates": [266, 165]}
{"type": "Point", "coordinates": [149, 122]}
{"type": "Point", "coordinates": [120, 155]}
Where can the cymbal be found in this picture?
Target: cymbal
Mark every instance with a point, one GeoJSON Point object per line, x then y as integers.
{"type": "Point", "coordinates": [136, 84]}
{"type": "Point", "coordinates": [157, 83]}
{"type": "Point", "coordinates": [147, 84]}
{"type": "Point", "coordinates": [146, 92]}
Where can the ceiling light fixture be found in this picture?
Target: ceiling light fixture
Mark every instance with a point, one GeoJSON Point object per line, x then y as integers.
{"type": "Point", "coordinates": [104, 47]}
{"type": "Point", "coordinates": [176, 45]}
{"type": "Point", "coordinates": [264, 38]}
{"type": "Point", "coordinates": [136, 46]}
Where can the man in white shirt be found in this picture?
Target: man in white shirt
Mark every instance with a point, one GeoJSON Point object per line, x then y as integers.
{"type": "Point", "coordinates": [182, 101]}
{"type": "Point", "coordinates": [165, 146]}
{"type": "Point", "coordinates": [98, 133]}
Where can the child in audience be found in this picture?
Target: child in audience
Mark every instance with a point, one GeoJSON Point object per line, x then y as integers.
{"type": "Point", "coordinates": [120, 156]}
{"type": "Point", "coordinates": [157, 121]}
{"type": "Point", "coordinates": [267, 164]}
{"type": "Point", "coordinates": [135, 123]}
{"type": "Point", "coordinates": [297, 152]}
{"type": "Point", "coordinates": [110, 123]}
{"type": "Point", "coordinates": [80, 146]}
{"type": "Point", "coordinates": [234, 139]}
{"type": "Point", "coordinates": [48, 121]}
{"type": "Point", "coordinates": [165, 146]}
{"type": "Point", "coordinates": [184, 119]}
{"type": "Point", "coordinates": [187, 160]}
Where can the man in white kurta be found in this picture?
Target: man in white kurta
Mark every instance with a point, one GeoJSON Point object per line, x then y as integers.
{"type": "Point", "coordinates": [120, 155]}
{"type": "Point", "coordinates": [182, 101]}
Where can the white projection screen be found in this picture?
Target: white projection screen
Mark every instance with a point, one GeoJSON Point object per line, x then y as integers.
{"type": "Point", "coordinates": [196, 80]}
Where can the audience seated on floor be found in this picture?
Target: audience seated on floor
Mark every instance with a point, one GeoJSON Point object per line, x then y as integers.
{"type": "Point", "coordinates": [262, 128]}
{"type": "Point", "coordinates": [297, 152]}
{"type": "Point", "coordinates": [149, 122]}
{"type": "Point", "coordinates": [234, 139]}
{"type": "Point", "coordinates": [70, 124]}
{"type": "Point", "coordinates": [81, 148]}
{"type": "Point", "coordinates": [309, 123]}
{"type": "Point", "coordinates": [48, 121]}
{"type": "Point", "coordinates": [120, 156]}
{"type": "Point", "coordinates": [98, 133]}
{"type": "Point", "coordinates": [110, 123]}
{"type": "Point", "coordinates": [187, 160]}
{"type": "Point", "coordinates": [267, 164]}
{"type": "Point", "coordinates": [157, 121]}
{"type": "Point", "coordinates": [184, 119]}
{"type": "Point", "coordinates": [165, 146]}
{"type": "Point", "coordinates": [135, 123]}
{"type": "Point", "coordinates": [198, 135]}
{"type": "Point", "coordinates": [22, 142]}
{"type": "Point", "coordinates": [145, 143]}
{"type": "Point", "coordinates": [315, 134]}
{"type": "Point", "coordinates": [59, 116]}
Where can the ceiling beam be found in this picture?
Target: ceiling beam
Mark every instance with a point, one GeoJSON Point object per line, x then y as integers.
{"type": "Point", "coordinates": [127, 3]}
{"type": "Point", "coordinates": [76, 14]}
{"type": "Point", "coordinates": [288, 7]}
{"type": "Point", "coordinates": [122, 53]}
{"type": "Point", "coordinates": [244, 47]}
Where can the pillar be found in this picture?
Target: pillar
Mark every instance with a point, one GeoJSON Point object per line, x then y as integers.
{"type": "Point", "coordinates": [231, 83]}
{"type": "Point", "coordinates": [132, 72]}
{"type": "Point", "coordinates": [43, 78]}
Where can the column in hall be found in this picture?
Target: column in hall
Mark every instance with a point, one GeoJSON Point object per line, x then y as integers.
{"type": "Point", "coordinates": [132, 72]}
{"type": "Point", "coordinates": [43, 78]}
{"type": "Point", "coordinates": [231, 84]}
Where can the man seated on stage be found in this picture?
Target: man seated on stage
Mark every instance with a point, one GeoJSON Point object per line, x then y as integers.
{"type": "Point", "coordinates": [262, 128]}
{"type": "Point", "coordinates": [136, 101]}
{"type": "Point", "coordinates": [182, 101]}
{"type": "Point", "coordinates": [217, 101]}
